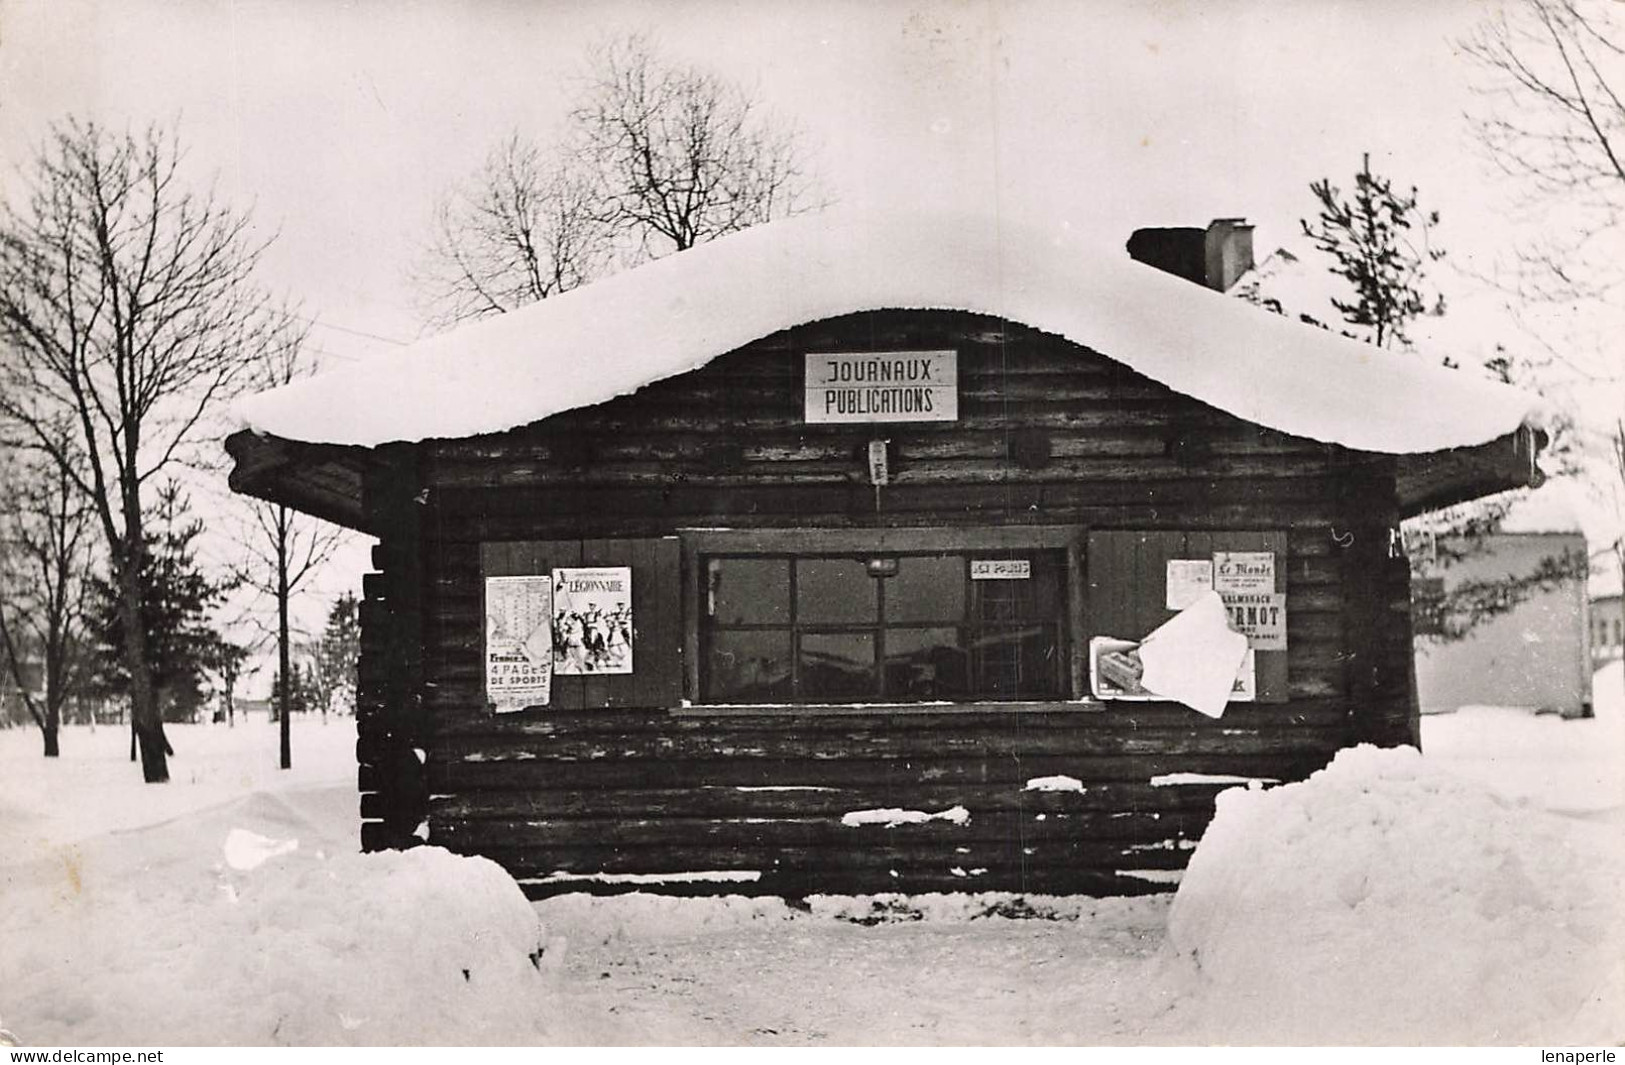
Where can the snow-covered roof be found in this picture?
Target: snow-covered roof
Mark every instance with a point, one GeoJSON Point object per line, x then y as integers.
{"type": "Point", "coordinates": [676, 314]}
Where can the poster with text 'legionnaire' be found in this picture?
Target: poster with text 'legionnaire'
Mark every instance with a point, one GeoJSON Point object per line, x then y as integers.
{"type": "Point", "coordinates": [592, 621]}
{"type": "Point", "coordinates": [518, 641]}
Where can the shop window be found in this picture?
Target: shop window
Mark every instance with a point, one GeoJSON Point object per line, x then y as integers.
{"type": "Point", "coordinates": [882, 627]}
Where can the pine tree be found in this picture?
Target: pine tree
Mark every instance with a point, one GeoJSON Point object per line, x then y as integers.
{"type": "Point", "coordinates": [176, 598]}
{"type": "Point", "coordinates": [340, 651]}
{"type": "Point", "coordinates": [1380, 243]}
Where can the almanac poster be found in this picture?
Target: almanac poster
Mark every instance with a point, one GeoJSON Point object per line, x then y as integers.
{"type": "Point", "coordinates": [518, 642]}
{"type": "Point", "coordinates": [592, 621]}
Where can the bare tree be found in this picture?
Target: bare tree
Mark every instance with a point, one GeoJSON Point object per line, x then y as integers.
{"type": "Point", "coordinates": [128, 308]}
{"type": "Point", "coordinates": [521, 229]}
{"type": "Point", "coordinates": [44, 557]}
{"type": "Point", "coordinates": [283, 548]}
{"type": "Point", "coordinates": [679, 156]}
{"type": "Point", "coordinates": [657, 158]}
{"type": "Point", "coordinates": [1553, 117]}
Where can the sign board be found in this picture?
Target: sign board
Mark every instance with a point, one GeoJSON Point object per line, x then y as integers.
{"type": "Point", "coordinates": [882, 386]}
{"type": "Point", "coordinates": [1247, 572]}
{"type": "Point", "coordinates": [879, 463]}
{"type": "Point", "coordinates": [1187, 579]}
{"type": "Point", "coordinates": [1000, 569]}
{"type": "Point", "coordinates": [592, 621]}
{"type": "Point", "coordinates": [1261, 618]}
{"type": "Point", "coordinates": [518, 642]}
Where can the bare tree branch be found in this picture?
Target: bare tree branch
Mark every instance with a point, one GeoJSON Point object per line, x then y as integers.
{"type": "Point", "coordinates": [128, 311]}
{"type": "Point", "coordinates": [658, 158]}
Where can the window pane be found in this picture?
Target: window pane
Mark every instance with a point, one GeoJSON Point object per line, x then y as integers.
{"type": "Point", "coordinates": [749, 591]}
{"type": "Point", "coordinates": [926, 664]}
{"type": "Point", "coordinates": [1038, 597]}
{"type": "Point", "coordinates": [748, 667]}
{"type": "Point", "coordinates": [1017, 663]}
{"type": "Point", "coordinates": [834, 590]}
{"type": "Point", "coordinates": [926, 589]}
{"type": "Point", "coordinates": [837, 665]}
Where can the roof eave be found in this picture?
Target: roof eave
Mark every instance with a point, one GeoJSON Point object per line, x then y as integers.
{"type": "Point", "coordinates": [1432, 480]}
{"type": "Point", "coordinates": [322, 480]}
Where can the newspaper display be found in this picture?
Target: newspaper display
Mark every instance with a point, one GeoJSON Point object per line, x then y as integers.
{"type": "Point", "coordinates": [592, 621]}
{"type": "Point", "coordinates": [1186, 579]}
{"type": "Point", "coordinates": [518, 642]}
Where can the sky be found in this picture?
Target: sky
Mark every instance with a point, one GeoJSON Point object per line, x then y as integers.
{"type": "Point", "coordinates": [338, 124]}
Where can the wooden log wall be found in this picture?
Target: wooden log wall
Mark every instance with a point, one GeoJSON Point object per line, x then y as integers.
{"type": "Point", "coordinates": [1049, 433]}
{"type": "Point", "coordinates": [392, 729]}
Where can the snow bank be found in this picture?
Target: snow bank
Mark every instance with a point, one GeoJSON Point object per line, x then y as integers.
{"type": "Point", "coordinates": [585, 919]}
{"type": "Point", "coordinates": [677, 313]}
{"type": "Point", "coordinates": [1387, 900]}
{"type": "Point", "coordinates": [1059, 782]}
{"type": "Point", "coordinates": [394, 948]}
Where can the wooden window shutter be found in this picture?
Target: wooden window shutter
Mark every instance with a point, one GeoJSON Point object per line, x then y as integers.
{"type": "Point", "coordinates": [657, 620]}
{"type": "Point", "coordinates": [1127, 577]}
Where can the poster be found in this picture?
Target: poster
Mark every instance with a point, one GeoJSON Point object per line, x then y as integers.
{"type": "Point", "coordinates": [1261, 618]}
{"type": "Point", "coordinates": [1245, 689]}
{"type": "Point", "coordinates": [518, 642]}
{"type": "Point", "coordinates": [592, 621]}
{"type": "Point", "coordinates": [1244, 572]}
{"type": "Point", "coordinates": [1187, 579]}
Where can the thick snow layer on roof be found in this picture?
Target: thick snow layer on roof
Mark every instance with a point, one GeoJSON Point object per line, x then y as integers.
{"type": "Point", "coordinates": [676, 314]}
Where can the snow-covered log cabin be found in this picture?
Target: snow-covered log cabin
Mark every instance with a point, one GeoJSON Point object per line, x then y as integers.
{"type": "Point", "coordinates": [796, 562]}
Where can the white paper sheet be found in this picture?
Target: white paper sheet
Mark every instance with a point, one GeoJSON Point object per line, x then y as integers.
{"type": "Point", "coordinates": [1193, 658]}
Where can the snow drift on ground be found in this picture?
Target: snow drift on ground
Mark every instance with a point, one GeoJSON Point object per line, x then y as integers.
{"type": "Point", "coordinates": [199, 930]}
{"type": "Point", "coordinates": [676, 314]}
{"type": "Point", "coordinates": [1392, 897]}
{"type": "Point", "coordinates": [1385, 900]}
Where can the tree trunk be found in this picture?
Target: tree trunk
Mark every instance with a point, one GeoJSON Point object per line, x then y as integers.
{"type": "Point", "coordinates": [145, 717]}
{"type": "Point", "coordinates": [52, 725]}
{"type": "Point", "coordinates": [282, 641]}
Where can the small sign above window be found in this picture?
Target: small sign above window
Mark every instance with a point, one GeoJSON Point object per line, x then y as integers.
{"type": "Point", "coordinates": [1000, 569]}
{"type": "Point", "coordinates": [882, 386]}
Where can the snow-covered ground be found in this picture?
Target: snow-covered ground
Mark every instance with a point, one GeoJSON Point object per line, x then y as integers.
{"type": "Point", "coordinates": [1471, 895]}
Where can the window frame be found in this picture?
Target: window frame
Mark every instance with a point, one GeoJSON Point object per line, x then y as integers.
{"type": "Point", "coordinates": [699, 544]}
{"type": "Point", "coordinates": [890, 619]}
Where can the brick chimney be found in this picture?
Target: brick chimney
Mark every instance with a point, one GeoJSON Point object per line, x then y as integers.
{"type": "Point", "coordinates": [1214, 257]}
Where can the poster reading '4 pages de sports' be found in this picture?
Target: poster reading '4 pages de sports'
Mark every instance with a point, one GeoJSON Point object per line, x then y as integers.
{"type": "Point", "coordinates": [592, 621]}
{"type": "Point", "coordinates": [518, 641]}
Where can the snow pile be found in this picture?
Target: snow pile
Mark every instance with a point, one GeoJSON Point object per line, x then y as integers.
{"type": "Point", "coordinates": [891, 817]}
{"type": "Point", "coordinates": [414, 947]}
{"type": "Point", "coordinates": [1059, 782]}
{"type": "Point", "coordinates": [639, 915]}
{"type": "Point", "coordinates": [1387, 900]}
{"type": "Point", "coordinates": [981, 905]}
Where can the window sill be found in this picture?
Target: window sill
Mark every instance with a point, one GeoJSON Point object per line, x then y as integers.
{"type": "Point", "coordinates": [891, 709]}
